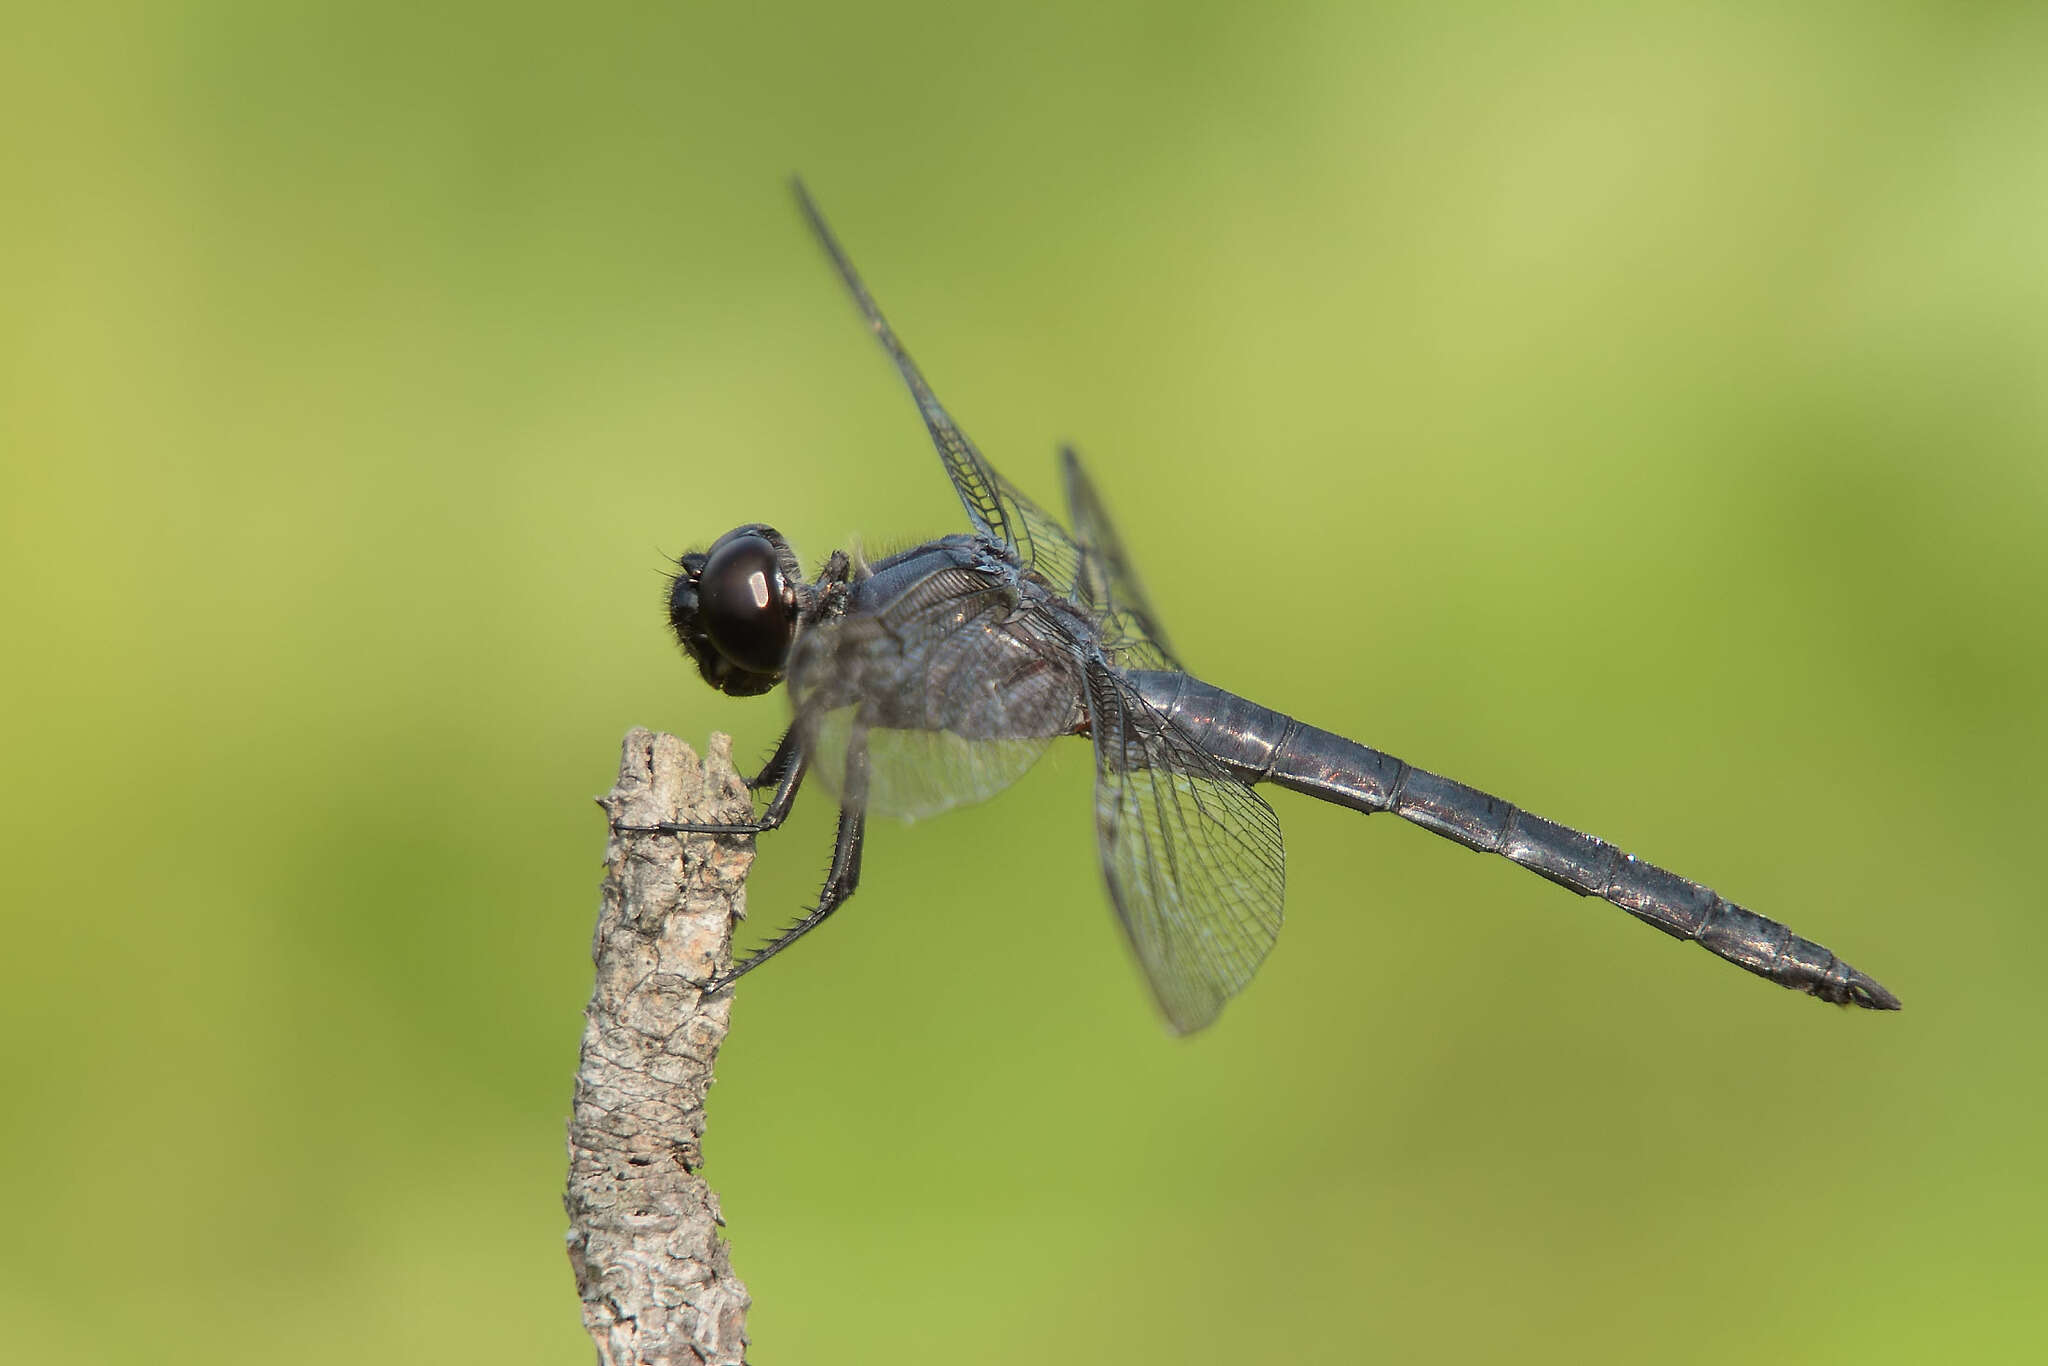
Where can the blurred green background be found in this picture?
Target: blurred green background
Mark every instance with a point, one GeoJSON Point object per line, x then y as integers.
{"type": "Point", "coordinates": [1634, 410]}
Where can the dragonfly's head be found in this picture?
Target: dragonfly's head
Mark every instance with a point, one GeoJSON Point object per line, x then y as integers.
{"type": "Point", "coordinates": [735, 609]}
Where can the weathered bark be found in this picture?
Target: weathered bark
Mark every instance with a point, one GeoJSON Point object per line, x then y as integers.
{"type": "Point", "coordinates": [655, 1276]}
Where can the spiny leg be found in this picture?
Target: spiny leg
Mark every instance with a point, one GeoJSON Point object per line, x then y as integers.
{"type": "Point", "coordinates": [785, 769]}
{"type": "Point", "coordinates": [840, 880]}
{"type": "Point", "coordinates": [788, 750]}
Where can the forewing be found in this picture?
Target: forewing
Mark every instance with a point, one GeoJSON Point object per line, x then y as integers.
{"type": "Point", "coordinates": [993, 504]}
{"type": "Point", "coordinates": [1193, 857]}
{"type": "Point", "coordinates": [914, 774]}
{"type": "Point", "coordinates": [958, 693]}
{"type": "Point", "coordinates": [1107, 582]}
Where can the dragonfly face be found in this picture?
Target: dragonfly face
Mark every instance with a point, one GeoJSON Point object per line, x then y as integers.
{"type": "Point", "coordinates": [735, 609]}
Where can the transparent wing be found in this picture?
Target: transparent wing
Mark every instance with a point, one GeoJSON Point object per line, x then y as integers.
{"type": "Point", "coordinates": [1107, 582]}
{"type": "Point", "coordinates": [958, 692]}
{"type": "Point", "coordinates": [993, 504]}
{"type": "Point", "coordinates": [914, 774]}
{"type": "Point", "coordinates": [1193, 857]}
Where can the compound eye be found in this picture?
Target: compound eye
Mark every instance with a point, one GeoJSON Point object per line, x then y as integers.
{"type": "Point", "coordinates": [745, 605]}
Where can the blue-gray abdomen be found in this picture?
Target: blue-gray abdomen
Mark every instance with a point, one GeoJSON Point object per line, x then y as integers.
{"type": "Point", "coordinates": [1259, 744]}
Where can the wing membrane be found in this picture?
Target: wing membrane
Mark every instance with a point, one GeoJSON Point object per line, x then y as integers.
{"type": "Point", "coordinates": [993, 504]}
{"type": "Point", "coordinates": [913, 774]}
{"type": "Point", "coordinates": [958, 694]}
{"type": "Point", "coordinates": [1107, 582]}
{"type": "Point", "coordinates": [1193, 857]}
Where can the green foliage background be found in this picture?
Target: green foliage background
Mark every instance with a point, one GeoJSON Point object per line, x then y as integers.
{"type": "Point", "coordinates": [1637, 410]}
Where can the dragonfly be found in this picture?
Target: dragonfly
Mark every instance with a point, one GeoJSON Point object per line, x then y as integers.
{"type": "Point", "coordinates": [936, 676]}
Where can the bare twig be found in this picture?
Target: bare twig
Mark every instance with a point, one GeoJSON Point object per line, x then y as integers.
{"type": "Point", "coordinates": [655, 1276]}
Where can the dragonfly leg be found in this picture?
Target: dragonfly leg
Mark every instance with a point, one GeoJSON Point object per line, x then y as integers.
{"type": "Point", "coordinates": [788, 750]}
{"type": "Point", "coordinates": [785, 769]}
{"type": "Point", "coordinates": [840, 880]}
